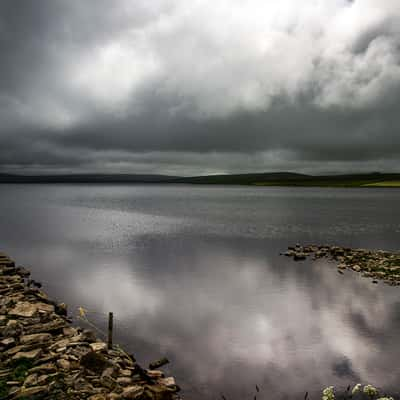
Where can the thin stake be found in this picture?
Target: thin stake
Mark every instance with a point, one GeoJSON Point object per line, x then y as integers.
{"type": "Point", "coordinates": [110, 330]}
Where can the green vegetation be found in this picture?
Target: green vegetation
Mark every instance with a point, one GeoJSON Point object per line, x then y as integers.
{"type": "Point", "coordinates": [21, 368]}
{"type": "Point", "coordinates": [19, 372]}
{"type": "Point", "coordinates": [320, 183]}
{"type": "Point", "coordinates": [384, 184]}
{"type": "Point", "coordinates": [362, 180]}
{"type": "Point", "coordinates": [3, 389]}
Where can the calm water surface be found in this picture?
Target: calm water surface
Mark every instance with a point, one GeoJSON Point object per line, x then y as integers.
{"type": "Point", "coordinates": [194, 273]}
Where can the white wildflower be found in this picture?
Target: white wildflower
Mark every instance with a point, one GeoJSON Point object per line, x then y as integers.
{"type": "Point", "coordinates": [328, 393]}
{"type": "Point", "coordinates": [385, 398]}
{"type": "Point", "coordinates": [356, 389]}
{"type": "Point", "coordinates": [370, 390]}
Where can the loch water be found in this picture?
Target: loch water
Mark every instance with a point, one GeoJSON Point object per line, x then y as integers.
{"type": "Point", "coordinates": [194, 273]}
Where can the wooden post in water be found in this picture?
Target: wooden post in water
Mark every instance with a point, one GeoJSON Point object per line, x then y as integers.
{"type": "Point", "coordinates": [110, 330]}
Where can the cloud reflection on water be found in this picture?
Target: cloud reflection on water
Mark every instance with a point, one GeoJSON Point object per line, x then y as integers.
{"type": "Point", "coordinates": [194, 274]}
{"type": "Point", "coordinates": [223, 313]}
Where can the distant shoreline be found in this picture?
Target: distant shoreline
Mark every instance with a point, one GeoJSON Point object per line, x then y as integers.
{"type": "Point", "coordinates": [288, 179]}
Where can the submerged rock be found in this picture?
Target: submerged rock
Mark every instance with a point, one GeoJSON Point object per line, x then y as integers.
{"type": "Point", "coordinates": [299, 256]}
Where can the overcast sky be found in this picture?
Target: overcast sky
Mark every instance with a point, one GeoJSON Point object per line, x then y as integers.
{"type": "Point", "coordinates": [199, 86]}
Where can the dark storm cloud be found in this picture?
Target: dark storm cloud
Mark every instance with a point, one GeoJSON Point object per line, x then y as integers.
{"type": "Point", "coordinates": [166, 87]}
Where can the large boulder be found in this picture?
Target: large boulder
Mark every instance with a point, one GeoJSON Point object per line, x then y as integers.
{"type": "Point", "coordinates": [133, 392]}
{"type": "Point", "coordinates": [26, 309]}
{"type": "Point", "coordinates": [35, 338]}
{"type": "Point", "coordinates": [30, 355]}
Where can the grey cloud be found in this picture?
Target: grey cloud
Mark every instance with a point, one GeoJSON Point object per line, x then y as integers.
{"type": "Point", "coordinates": [127, 85]}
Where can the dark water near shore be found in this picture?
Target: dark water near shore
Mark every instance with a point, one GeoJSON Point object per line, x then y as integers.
{"type": "Point", "coordinates": [194, 273]}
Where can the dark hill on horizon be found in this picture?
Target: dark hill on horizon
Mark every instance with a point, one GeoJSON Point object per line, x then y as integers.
{"type": "Point", "coordinates": [86, 178]}
{"type": "Point", "coordinates": [296, 179]}
{"type": "Point", "coordinates": [259, 179]}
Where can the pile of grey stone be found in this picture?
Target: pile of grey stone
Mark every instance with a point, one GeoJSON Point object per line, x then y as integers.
{"type": "Point", "coordinates": [375, 264]}
{"type": "Point", "coordinates": [42, 356]}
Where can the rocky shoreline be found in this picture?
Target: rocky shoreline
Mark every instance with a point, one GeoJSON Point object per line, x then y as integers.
{"type": "Point", "coordinates": [44, 357]}
{"type": "Point", "coordinates": [376, 264]}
